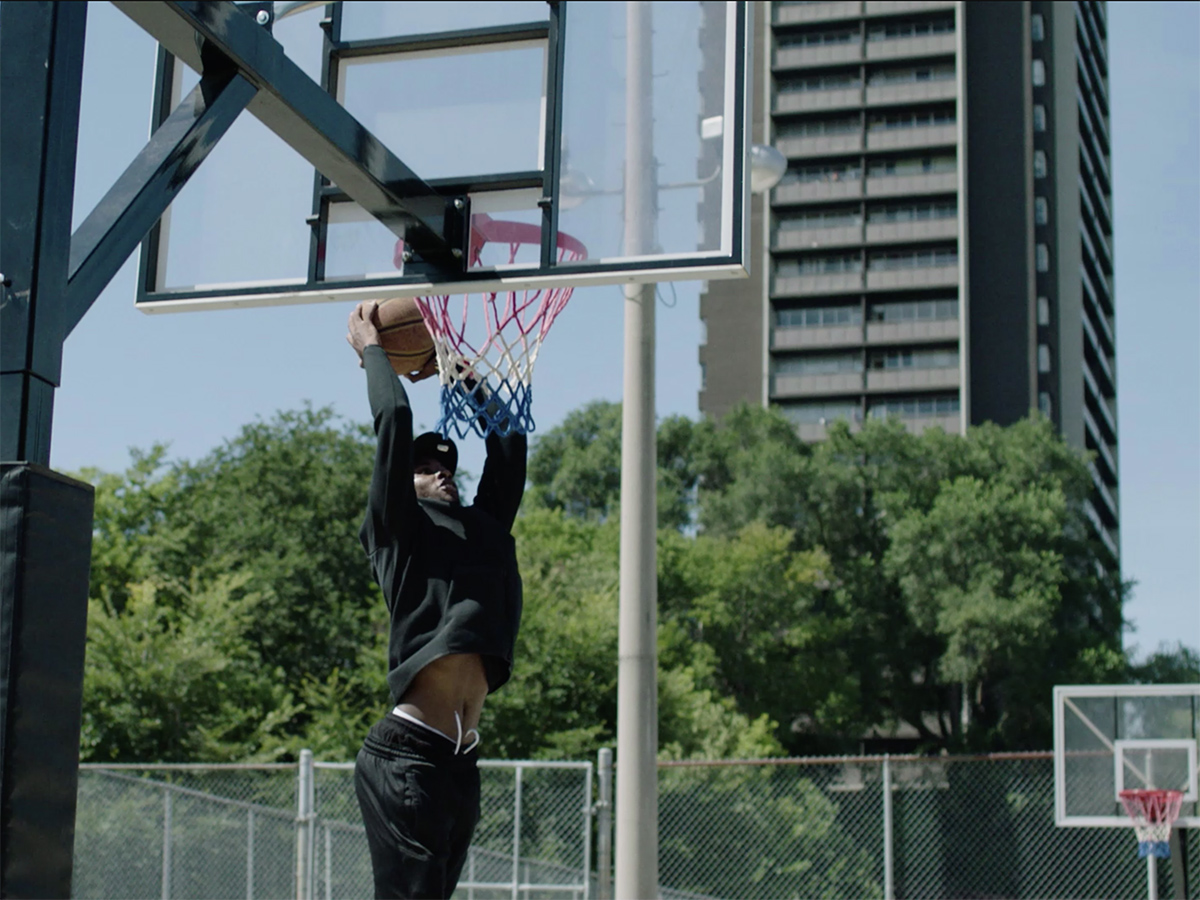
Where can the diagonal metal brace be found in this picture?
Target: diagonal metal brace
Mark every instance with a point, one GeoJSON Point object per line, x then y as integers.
{"type": "Point", "coordinates": [102, 243]}
{"type": "Point", "coordinates": [312, 122]}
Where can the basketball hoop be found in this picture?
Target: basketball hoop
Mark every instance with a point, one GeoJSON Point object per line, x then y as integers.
{"type": "Point", "coordinates": [485, 360]}
{"type": "Point", "coordinates": [1153, 813]}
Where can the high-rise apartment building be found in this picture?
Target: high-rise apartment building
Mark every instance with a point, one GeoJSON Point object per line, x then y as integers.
{"type": "Point", "coordinates": [940, 249]}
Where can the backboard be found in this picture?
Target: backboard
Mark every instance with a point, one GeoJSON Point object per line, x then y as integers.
{"type": "Point", "coordinates": [1109, 738]}
{"type": "Point", "coordinates": [526, 112]}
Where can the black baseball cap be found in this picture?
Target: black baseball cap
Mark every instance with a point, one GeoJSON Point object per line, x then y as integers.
{"type": "Point", "coordinates": [432, 445]}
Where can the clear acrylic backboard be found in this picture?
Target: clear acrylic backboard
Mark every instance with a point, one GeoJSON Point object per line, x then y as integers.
{"type": "Point", "coordinates": [521, 106]}
{"type": "Point", "coordinates": [1109, 738]}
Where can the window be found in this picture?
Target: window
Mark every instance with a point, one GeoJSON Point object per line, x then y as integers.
{"type": "Point", "coordinates": [819, 265]}
{"type": "Point", "coordinates": [1039, 117]}
{"type": "Point", "coordinates": [915, 407]}
{"type": "Point", "coordinates": [822, 412]}
{"type": "Point", "coordinates": [1041, 210]}
{"type": "Point", "coordinates": [915, 311]}
{"type": "Point", "coordinates": [912, 259]}
{"type": "Point", "coordinates": [833, 364]}
{"type": "Point", "coordinates": [916, 118]}
{"type": "Point", "coordinates": [910, 74]}
{"type": "Point", "coordinates": [818, 127]}
{"type": "Point", "coordinates": [912, 165]}
{"type": "Point", "coordinates": [828, 172]}
{"type": "Point", "coordinates": [1039, 73]}
{"type": "Point", "coordinates": [1042, 257]}
{"type": "Point", "coordinates": [1043, 310]}
{"type": "Point", "coordinates": [915, 359]}
{"type": "Point", "coordinates": [818, 38]}
{"type": "Point", "coordinates": [1039, 164]}
{"type": "Point", "coordinates": [827, 218]}
{"type": "Point", "coordinates": [1043, 358]}
{"type": "Point", "coordinates": [820, 317]}
{"type": "Point", "coordinates": [1038, 27]}
{"type": "Point", "coordinates": [1044, 404]}
{"type": "Point", "coordinates": [913, 212]}
{"type": "Point", "coordinates": [910, 28]}
{"type": "Point", "coordinates": [830, 81]}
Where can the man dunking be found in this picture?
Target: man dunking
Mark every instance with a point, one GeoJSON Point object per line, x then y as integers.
{"type": "Point", "coordinates": [449, 578]}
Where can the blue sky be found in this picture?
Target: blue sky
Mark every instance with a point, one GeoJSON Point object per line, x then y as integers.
{"type": "Point", "coordinates": [192, 380]}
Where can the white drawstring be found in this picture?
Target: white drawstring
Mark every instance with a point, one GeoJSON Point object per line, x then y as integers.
{"type": "Point", "coordinates": [457, 742]}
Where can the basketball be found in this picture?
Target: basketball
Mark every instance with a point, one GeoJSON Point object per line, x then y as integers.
{"type": "Point", "coordinates": [404, 338]}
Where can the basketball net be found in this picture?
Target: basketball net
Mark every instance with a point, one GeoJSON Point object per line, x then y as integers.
{"type": "Point", "coordinates": [485, 357]}
{"type": "Point", "coordinates": [1153, 813]}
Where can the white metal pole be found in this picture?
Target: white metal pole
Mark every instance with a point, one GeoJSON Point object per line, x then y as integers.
{"type": "Point", "coordinates": [249, 854]}
{"type": "Point", "coordinates": [637, 700]}
{"type": "Point", "coordinates": [166, 847]}
{"type": "Point", "coordinates": [516, 851]}
{"type": "Point", "coordinates": [588, 809]}
{"type": "Point", "coordinates": [328, 864]}
{"type": "Point", "coordinates": [604, 847]}
{"type": "Point", "coordinates": [889, 886]}
{"type": "Point", "coordinates": [1151, 877]}
{"type": "Point", "coordinates": [304, 824]}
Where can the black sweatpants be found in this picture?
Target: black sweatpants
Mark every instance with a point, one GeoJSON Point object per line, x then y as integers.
{"type": "Point", "coordinates": [420, 805]}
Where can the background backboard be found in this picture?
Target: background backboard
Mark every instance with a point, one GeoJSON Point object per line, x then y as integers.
{"type": "Point", "coordinates": [519, 106]}
{"type": "Point", "coordinates": [1109, 738]}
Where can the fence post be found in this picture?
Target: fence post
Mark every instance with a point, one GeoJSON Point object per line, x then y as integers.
{"type": "Point", "coordinates": [304, 826]}
{"type": "Point", "coordinates": [166, 848]}
{"type": "Point", "coordinates": [249, 854]}
{"type": "Point", "coordinates": [516, 863]}
{"type": "Point", "coordinates": [604, 767]}
{"type": "Point", "coordinates": [889, 886]}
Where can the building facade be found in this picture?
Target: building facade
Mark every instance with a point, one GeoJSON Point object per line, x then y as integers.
{"type": "Point", "coordinates": [940, 249]}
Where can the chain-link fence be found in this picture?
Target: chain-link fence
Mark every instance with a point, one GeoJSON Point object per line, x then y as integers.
{"type": "Point", "coordinates": [899, 827]}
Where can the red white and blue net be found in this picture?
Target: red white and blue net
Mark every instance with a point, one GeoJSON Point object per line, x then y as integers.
{"type": "Point", "coordinates": [487, 344]}
{"type": "Point", "coordinates": [1153, 813]}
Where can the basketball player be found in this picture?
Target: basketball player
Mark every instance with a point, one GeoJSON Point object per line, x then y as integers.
{"type": "Point", "coordinates": [449, 578]}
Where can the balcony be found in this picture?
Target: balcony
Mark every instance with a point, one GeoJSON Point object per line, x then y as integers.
{"type": "Point", "coordinates": [948, 424]}
{"type": "Point", "coordinates": [809, 238]}
{"type": "Point", "coordinates": [897, 48]}
{"type": "Point", "coordinates": [811, 101]}
{"type": "Point", "coordinates": [1102, 531]}
{"type": "Point", "coordinates": [807, 191]}
{"type": "Point", "coordinates": [912, 92]}
{"type": "Point", "coordinates": [816, 12]}
{"type": "Point", "coordinates": [925, 183]}
{"type": "Point", "coordinates": [807, 385]}
{"type": "Point", "coordinates": [820, 145]}
{"type": "Point", "coordinates": [911, 379]}
{"type": "Point", "coordinates": [804, 57]}
{"type": "Point", "coordinates": [1110, 498]}
{"type": "Point", "coordinates": [810, 432]}
{"type": "Point", "coordinates": [836, 283]}
{"type": "Point", "coordinates": [922, 230]}
{"type": "Point", "coordinates": [1099, 441]}
{"type": "Point", "coordinates": [896, 7]}
{"type": "Point", "coordinates": [901, 138]}
{"type": "Point", "coordinates": [930, 276]}
{"type": "Point", "coordinates": [912, 332]}
{"type": "Point", "coordinates": [813, 338]}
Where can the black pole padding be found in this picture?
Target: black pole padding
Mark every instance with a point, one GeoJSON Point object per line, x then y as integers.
{"type": "Point", "coordinates": [45, 559]}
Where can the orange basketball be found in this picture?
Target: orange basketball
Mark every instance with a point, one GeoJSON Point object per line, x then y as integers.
{"type": "Point", "coordinates": [404, 337]}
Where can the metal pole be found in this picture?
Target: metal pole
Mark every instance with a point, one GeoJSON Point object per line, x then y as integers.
{"type": "Point", "coordinates": [304, 824]}
{"type": "Point", "coordinates": [328, 864]}
{"type": "Point", "coordinates": [587, 833]}
{"type": "Point", "coordinates": [604, 826]}
{"type": "Point", "coordinates": [1151, 877]}
{"type": "Point", "coordinates": [166, 848]}
{"type": "Point", "coordinates": [637, 700]}
{"type": "Point", "coordinates": [516, 861]}
{"type": "Point", "coordinates": [249, 854]}
{"type": "Point", "coordinates": [889, 886]}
